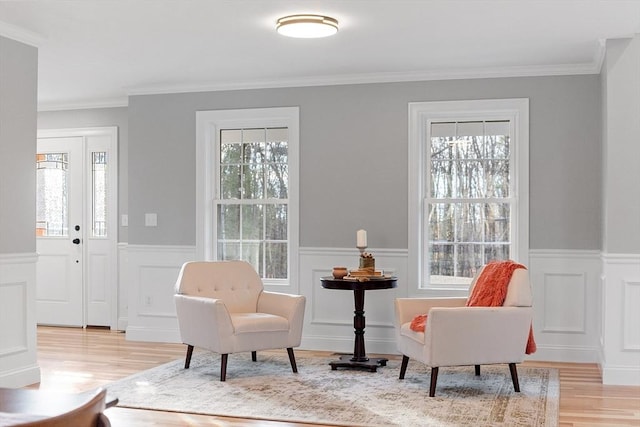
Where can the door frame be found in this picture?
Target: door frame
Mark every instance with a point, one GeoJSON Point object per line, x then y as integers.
{"type": "Point", "coordinates": [112, 206]}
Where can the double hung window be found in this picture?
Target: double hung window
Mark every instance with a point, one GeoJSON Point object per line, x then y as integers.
{"type": "Point", "coordinates": [469, 192]}
{"type": "Point", "coordinates": [248, 187]}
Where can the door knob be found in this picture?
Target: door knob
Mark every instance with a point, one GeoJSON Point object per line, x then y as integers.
{"type": "Point", "coordinates": [76, 241]}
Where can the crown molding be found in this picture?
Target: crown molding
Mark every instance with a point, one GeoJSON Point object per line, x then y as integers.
{"type": "Point", "coordinates": [369, 78]}
{"type": "Point", "coordinates": [448, 74]}
{"type": "Point", "coordinates": [85, 105]}
{"type": "Point", "coordinates": [21, 35]}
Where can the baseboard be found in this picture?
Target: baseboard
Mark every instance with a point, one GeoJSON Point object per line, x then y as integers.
{"type": "Point", "coordinates": [621, 375]}
{"type": "Point", "coordinates": [20, 377]}
{"type": "Point", "coordinates": [572, 354]}
{"type": "Point", "coordinates": [123, 322]}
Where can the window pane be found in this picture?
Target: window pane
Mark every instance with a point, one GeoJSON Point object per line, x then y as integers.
{"type": "Point", "coordinates": [442, 179]}
{"type": "Point", "coordinates": [252, 227]}
{"type": "Point", "coordinates": [441, 260]}
{"type": "Point", "coordinates": [276, 260]}
{"type": "Point", "coordinates": [277, 180]}
{"type": "Point", "coordinates": [497, 222]}
{"type": "Point", "coordinates": [228, 222]}
{"type": "Point", "coordinates": [230, 147]}
{"type": "Point", "coordinates": [52, 194]}
{"type": "Point", "coordinates": [276, 222]}
{"type": "Point", "coordinates": [468, 260]}
{"type": "Point", "coordinates": [253, 181]}
{"type": "Point", "coordinates": [441, 225]}
{"type": "Point", "coordinates": [497, 146]}
{"type": "Point", "coordinates": [228, 251]}
{"type": "Point", "coordinates": [469, 222]}
{"type": "Point", "coordinates": [469, 179]}
{"type": "Point", "coordinates": [498, 185]}
{"type": "Point", "coordinates": [230, 182]}
{"type": "Point", "coordinates": [99, 194]}
{"type": "Point", "coordinates": [252, 253]}
{"type": "Point", "coordinates": [496, 253]}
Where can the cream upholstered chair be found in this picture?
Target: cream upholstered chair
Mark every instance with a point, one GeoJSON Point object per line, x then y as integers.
{"type": "Point", "coordinates": [456, 335]}
{"type": "Point", "coordinates": [222, 307]}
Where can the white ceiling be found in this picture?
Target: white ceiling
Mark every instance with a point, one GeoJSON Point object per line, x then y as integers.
{"type": "Point", "coordinates": [96, 52]}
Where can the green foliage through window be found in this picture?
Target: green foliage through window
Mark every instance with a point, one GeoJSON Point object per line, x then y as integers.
{"type": "Point", "coordinates": [253, 199]}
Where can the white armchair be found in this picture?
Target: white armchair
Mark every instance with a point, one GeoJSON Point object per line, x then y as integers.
{"type": "Point", "coordinates": [456, 335]}
{"type": "Point", "coordinates": [222, 307]}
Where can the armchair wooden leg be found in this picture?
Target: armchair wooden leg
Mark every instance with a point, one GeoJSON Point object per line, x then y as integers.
{"type": "Point", "coordinates": [477, 370]}
{"type": "Point", "coordinates": [514, 376]}
{"type": "Point", "coordinates": [292, 360]}
{"type": "Point", "coordinates": [434, 380]}
{"type": "Point", "coordinates": [403, 366]}
{"type": "Point", "coordinates": [253, 356]}
{"type": "Point", "coordinates": [187, 361]}
{"type": "Point", "coordinates": [223, 367]}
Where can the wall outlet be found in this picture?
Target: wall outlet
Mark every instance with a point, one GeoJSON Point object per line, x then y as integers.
{"type": "Point", "coordinates": [124, 220]}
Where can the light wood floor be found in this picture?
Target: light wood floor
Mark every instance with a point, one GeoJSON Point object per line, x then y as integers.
{"type": "Point", "coordinates": [74, 359]}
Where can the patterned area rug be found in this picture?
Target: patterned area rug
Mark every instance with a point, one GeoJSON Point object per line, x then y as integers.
{"type": "Point", "coordinates": [267, 389]}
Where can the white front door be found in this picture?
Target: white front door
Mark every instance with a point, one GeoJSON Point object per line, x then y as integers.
{"type": "Point", "coordinates": [59, 229]}
{"type": "Point", "coordinates": [76, 227]}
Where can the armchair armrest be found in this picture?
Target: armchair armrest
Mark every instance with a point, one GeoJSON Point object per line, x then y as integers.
{"type": "Point", "coordinates": [204, 322]}
{"type": "Point", "coordinates": [476, 335]}
{"type": "Point", "coordinates": [288, 306]}
{"type": "Point", "coordinates": [408, 308]}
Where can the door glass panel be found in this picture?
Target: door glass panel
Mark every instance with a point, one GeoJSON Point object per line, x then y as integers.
{"type": "Point", "coordinates": [99, 193]}
{"type": "Point", "coordinates": [52, 200]}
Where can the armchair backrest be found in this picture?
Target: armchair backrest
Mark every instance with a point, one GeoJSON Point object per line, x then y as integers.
{"type": "Point", "coordinates": [518, 291]}
{"type": "Point", "coordinates": [234, 282]}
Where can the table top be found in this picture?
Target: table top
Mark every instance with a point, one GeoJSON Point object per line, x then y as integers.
{"type": "Point", "coordinates": [382, 282]}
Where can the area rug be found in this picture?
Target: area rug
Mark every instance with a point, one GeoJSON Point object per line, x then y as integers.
{"type": "Point", "coordinates": [268, 389]}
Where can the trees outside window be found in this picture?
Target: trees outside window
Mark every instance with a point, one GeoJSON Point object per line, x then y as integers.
{"type": "Point", "coordinates": [253, 199]}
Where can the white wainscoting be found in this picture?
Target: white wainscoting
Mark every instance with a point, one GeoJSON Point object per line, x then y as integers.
{"type": "Point", "coordinates": [18, 340]}
{"type": "Point", "coordinates": [584, 312]}
{"type": "Point", "coordinates": [565, 299]}
{"type": "Point", "coordinates": [620, 332]}
{"type": "Point", "coordinates": [151, 276]}
{"type": "Point", "coordinates": [328, 322]}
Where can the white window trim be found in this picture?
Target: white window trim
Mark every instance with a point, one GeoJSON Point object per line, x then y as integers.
{"type": "Point", "coordinates": [208, 124]}
{"type": "Point", "coordinates": [421, 114]}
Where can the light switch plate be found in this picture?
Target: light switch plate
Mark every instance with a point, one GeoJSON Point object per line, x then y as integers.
{"type": "Point", "coordinates": [124, 220]}
{"type": "Point", "coordinates": [150, 220]}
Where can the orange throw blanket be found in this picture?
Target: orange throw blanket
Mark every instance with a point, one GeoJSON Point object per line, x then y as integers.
{"type": "Point", "coordinates": [490, 290]}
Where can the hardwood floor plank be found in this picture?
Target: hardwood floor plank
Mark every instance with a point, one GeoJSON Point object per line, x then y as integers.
{"type": "Point", "coordinates": [75, 359]}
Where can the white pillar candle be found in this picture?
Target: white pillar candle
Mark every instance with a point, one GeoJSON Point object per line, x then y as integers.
{"type": "Point", "coordinates": [361, 239]}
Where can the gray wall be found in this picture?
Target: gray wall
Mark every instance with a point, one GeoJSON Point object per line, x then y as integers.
{"type": "Point", "coordinates": [621, 150]}
{"type": "Point", "coordinates": [18, 100]}
{"type": "Point", "coordinates": [353, 158]}
{"type": "Point", "coordinates": [98, 117]}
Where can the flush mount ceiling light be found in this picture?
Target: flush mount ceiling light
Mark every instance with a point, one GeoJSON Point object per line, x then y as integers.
{"type": "Point", "coordinates": [307, 26]}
